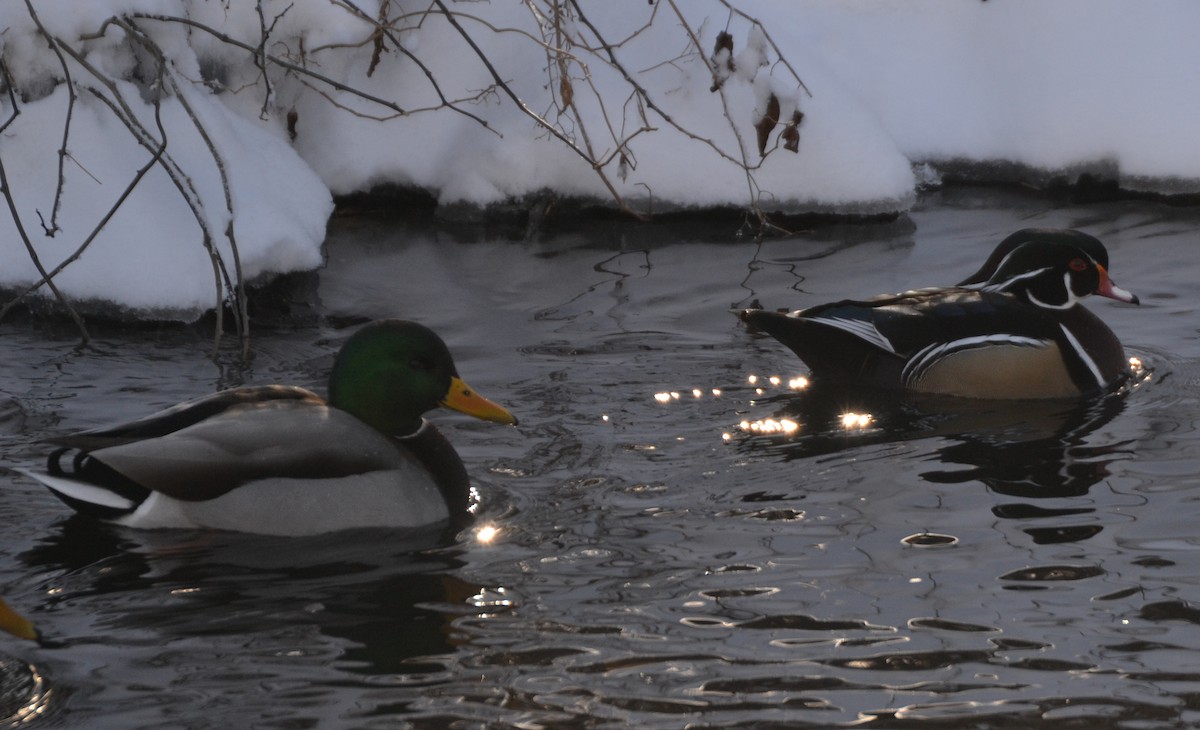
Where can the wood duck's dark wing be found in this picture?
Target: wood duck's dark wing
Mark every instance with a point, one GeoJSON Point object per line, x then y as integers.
{"type": "Point", "coordinates": [894, 341]}
{"type": "Point", "coordinates": [852, 351]}
{"type": "Point", "coordinates": [913, 321]}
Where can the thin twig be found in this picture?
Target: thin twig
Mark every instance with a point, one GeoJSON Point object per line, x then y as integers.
{"type": "Point", "coordinates": [235, 288]}
{"type": "Point", "coordinates": [567, 97]}
{"type": "Point", "coordinates": [505, 87]}
{"type": "Point", "coordinates": [382, 28]}
{"type": "Point", "coordinates": [16, 216]}
{"type": "Point", "coordinates": [260, 56]}
{"type": "Point", "coordinates": [782, 59]}
{"type": "Point", "coordinates": [112, 210]}
{"type": "Point", "coordinates": [225, 38]}
{"type": "Point", "coordinates": [121, 109]}
{"type": "Point", "coordinates": [53, 228]}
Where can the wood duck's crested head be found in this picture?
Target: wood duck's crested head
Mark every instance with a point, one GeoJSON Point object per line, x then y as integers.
{"type": "Point", "coordinates": [1051, 268]}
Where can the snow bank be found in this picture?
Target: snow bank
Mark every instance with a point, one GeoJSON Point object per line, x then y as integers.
{"type": "Point", "coordinates": [1053, 87]}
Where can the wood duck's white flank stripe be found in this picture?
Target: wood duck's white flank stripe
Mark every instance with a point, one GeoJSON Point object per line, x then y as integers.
{"type": "Point", "coordinates": [929, 355]}
{"type": "Point", "coordinates": [1083, 355]}
{"type": "Point", "coordinates": [859, 328]}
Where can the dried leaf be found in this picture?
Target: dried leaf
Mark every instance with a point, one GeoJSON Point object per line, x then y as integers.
{"type": "Point", "coordinates": [722, 59]}
{"type": "Point", "coordinates": [791, 139]}
{"type": "Point", "coordinates": [376, 54]}
{"type": "Point", "coordinates": [724, 43]}
{"type": "Point", "coordinates": [379, 47]}
{"type": "Point", "coordinates": [292, 117]}
{"type": "Point", "coordinates": [766, 123]}
{"type": "Point", "coordinates": [566, 91]}
{"type": "Point", "coordinates": [791, 133]}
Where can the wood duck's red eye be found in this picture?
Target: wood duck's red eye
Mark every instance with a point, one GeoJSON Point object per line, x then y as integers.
{"type": "Point", "coordinates": [1078, 265]}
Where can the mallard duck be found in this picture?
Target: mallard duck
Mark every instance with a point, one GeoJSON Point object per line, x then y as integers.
{"type": "Point", "coordinates": [1015, 329]}
{"type": "Point", "coordinates": [280, 459]}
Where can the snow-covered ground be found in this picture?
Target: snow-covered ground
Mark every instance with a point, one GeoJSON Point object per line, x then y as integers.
{"type": "Point", "coordinates": [627, 113]}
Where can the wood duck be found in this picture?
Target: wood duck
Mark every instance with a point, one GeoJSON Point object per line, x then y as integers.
{"type": "Point", "coordinates": [281, 460]}
{"type": "Point", "coordinates": [1014, 329]}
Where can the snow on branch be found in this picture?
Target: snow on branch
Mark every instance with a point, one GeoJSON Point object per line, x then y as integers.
{"type": "Point", "coordinates": [211, 135]}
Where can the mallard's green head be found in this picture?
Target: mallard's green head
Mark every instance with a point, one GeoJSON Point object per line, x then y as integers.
{"type": "Point", "coordinates": [392, 371]}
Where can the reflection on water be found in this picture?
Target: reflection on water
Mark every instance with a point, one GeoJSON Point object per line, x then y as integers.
{"type": "Point", "coordinates": [254, 624]}
{"type": "Point", "coordinates": [24, 694]}
{"type": "Point", "coordinates": [683, 531]}
{"type": "Point", "coordinates": [1036, 451]}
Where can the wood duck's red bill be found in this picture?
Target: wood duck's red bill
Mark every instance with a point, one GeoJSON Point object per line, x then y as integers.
{"type": "Point", "coordinates": [1109, 289]}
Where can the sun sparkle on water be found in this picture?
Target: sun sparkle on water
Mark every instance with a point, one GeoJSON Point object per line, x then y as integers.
{"type": "Point", "coordinates": [760, 385]}
{"type": "Point", "coordinates": [770, 426]}
{"type": "Point", "coordinates": [487, 534]}
{"type": "Point", "coordinates": [856, 420]}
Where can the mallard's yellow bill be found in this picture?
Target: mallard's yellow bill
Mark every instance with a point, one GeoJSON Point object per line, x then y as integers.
{"type": "Point", "coordinates": [16, 624]}
{"type": "Point", "coordinates": [464, 399]}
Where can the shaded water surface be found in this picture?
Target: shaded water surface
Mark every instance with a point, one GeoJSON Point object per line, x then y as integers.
{"type": "Point", "coordinates": [662, 557]}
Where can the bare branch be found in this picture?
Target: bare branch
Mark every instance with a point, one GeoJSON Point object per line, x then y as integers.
{"type": "Point", "coordinates": [782, 58]}
{"type": "Point", "coordinates": [121, 109]}
{"type": "Point", "coordinates": [224, 38]}
{"type": "Point", "coordinates": [579, 110]}
{"type": "Point", "coordinates": [137, 178]}
{"type": "Point", "coordinates": [236, 288]}
{"type": "Point", "coordinates": [260, 55]}
{"type": "Point", "coordinates": [383, 28]}
{"type": "Point", "coordinates": [553, 130]}
{"type": "Point", "coordinates": [16, 215]}
{"type": "Point", "coordinates": [53, 228]}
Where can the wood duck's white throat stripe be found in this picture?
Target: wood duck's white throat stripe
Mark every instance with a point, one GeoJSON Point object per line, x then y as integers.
{"type": "Point", "coordinates": [861, 329]}
{"type": "Point", "coordinates": [914, 370]}
{"type": "Point", "coordinates": [1071, 299]}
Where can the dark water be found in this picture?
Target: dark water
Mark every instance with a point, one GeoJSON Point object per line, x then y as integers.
{"type": "Point", "coordinates": [656, 564]}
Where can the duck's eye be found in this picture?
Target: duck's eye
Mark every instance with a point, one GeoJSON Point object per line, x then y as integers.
{"type": "Point", "coordinates": [419, 364]}
{"type": "Point", "coordinates": [1078, 265]}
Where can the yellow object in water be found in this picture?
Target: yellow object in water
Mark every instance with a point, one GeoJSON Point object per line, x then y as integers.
{"type": "Point", "coordinates": [16, 624]}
